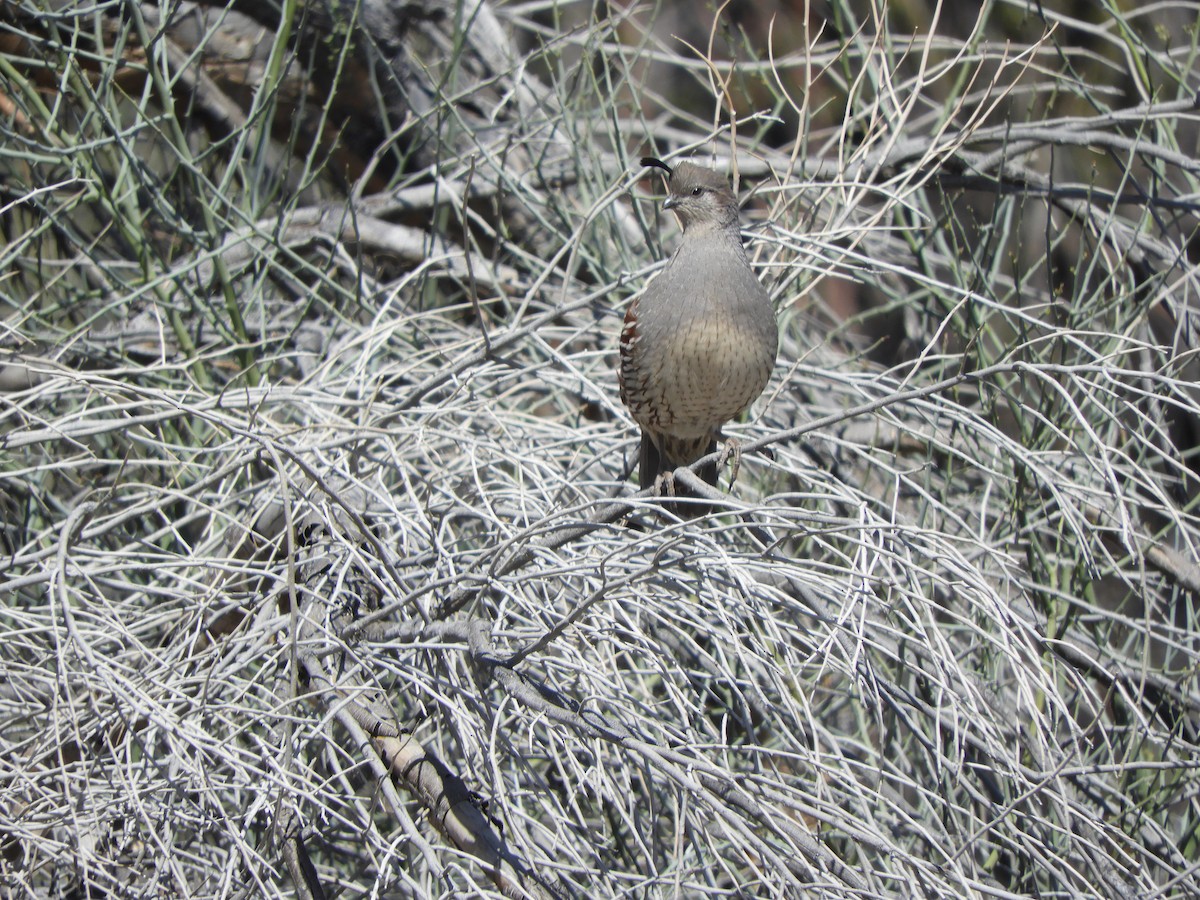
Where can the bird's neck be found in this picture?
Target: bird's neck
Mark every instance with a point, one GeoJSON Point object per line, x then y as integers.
{"type": "Point", "coordinates": [714, 229]}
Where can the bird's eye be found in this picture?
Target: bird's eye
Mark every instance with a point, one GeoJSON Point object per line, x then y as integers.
{"type": "Point", "coordinates": [697, 191]}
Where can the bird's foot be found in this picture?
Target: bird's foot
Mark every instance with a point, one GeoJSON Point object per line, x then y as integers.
{"type": "Point", "coordinates": [731, 452]}
{"type": "Point", "coordinates": [664, 484]}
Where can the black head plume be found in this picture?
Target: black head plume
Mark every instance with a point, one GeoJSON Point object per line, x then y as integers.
{"type": "Point", "coordinates": [650, 162]}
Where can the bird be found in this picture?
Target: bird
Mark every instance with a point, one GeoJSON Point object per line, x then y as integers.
{"type": "Point", "coordinates": [699, 344]}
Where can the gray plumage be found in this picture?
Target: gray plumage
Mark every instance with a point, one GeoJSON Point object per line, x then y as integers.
{"type": "Point", "coordinates": [699, 344]}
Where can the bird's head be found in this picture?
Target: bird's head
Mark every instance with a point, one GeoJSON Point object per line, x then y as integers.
{"type": "Point", "coordinates": [700, 197]}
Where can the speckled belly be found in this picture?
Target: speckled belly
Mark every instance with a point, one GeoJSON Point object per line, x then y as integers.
{"type": "Point", "coordinates": [718, 369]}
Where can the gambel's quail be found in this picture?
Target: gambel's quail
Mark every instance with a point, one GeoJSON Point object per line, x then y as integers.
{"type": "Point", "coordinates": [700, 342]}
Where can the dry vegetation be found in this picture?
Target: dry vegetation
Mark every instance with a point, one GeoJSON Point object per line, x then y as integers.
{"type": "Point", "coordinates": [322, 574]}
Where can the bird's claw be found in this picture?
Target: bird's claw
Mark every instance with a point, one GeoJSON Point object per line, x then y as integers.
{"type": "Point", "coordinates": [731, 452]}
{"type": "Point", "coordinates": [664, 484]}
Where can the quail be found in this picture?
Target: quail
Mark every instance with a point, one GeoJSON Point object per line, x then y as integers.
{"type": "Point", "coordinates": [699, 344]}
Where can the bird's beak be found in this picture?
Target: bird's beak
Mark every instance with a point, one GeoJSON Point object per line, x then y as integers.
{"type": "Point", "coordinates": [671, 202]}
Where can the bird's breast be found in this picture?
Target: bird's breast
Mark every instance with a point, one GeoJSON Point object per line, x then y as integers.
{"type": "Point", "coordinates": [699, 345]}
{"type": "Point", "coordinates": [714, 369]}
